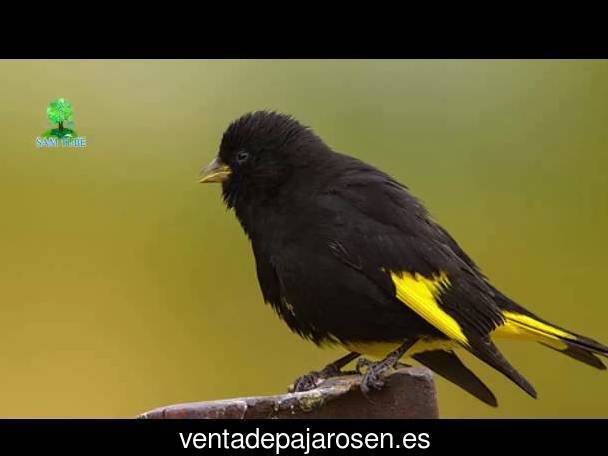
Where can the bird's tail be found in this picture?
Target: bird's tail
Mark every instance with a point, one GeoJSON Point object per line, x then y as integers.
{"type": "Point", "coordinates": [448, 365]}
{"type": "Point", "coordinates": [522, 324]}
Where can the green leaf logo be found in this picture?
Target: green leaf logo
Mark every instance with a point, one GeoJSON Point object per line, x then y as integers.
{"type": "Point", "coordinates": [58, 113]}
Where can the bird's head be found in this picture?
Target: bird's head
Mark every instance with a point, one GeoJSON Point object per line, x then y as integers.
{"type": "Point", "coordinates": [259, 152]}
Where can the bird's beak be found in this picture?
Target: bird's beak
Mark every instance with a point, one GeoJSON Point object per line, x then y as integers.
{"type": "Point", "coordinates": [216, 171]}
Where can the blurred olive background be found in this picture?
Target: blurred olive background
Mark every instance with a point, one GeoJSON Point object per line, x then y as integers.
{"type": "Point", "coordinates": [126, 285]}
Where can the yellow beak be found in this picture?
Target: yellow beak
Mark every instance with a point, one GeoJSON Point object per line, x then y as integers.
{"type": "Point", "coordinates": [216, 171]}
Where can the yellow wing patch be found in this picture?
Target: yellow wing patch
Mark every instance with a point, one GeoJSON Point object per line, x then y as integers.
{"type": "Point", "coordinates": [520, 326]}
{"type": "Point", "coordinates": [421, 294]}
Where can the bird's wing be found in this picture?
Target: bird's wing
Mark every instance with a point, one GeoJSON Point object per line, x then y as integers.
{"type": "Point", "coordinates": [386, 234]}
{"type": "Point", "coordinates": [383, 231]}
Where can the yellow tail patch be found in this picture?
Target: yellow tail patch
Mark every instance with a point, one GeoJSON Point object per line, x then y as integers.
{"type": "Point", "coordinates": [421, 294]}
{"type": "Point", "coordinates": [520, 326]}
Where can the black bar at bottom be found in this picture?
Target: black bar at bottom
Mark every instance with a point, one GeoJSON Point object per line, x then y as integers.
{"type": "Point", "coordinates": [345, 436]}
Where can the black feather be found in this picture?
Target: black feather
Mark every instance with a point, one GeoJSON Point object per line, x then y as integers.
{"type": "Point", "coordinates": [449, 366]}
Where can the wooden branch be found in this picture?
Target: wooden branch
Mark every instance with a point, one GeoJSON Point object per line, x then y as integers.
{"type": "Point", "coordinates": [409, 393]}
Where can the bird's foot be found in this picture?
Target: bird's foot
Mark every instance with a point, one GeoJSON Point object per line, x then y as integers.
{"type": "Point", "coordinates": [313, 379]}
{"type": "Point", "coordinates": [375, 371]}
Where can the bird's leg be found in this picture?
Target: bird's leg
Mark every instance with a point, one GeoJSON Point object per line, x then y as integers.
{"type": "Point", "coordinates": [372, 379]}
{"type": "Point", "coordinates": [314, 378]}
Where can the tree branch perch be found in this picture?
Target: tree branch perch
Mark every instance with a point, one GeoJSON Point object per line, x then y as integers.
{"type": "Point", "coordinates": [409, 393]}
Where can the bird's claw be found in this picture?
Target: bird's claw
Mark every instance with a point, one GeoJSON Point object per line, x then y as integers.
{"type": "Point", "coordinates": [313, 379]}
{"type": "Point", "coordinates": [373, 378]}
{"type": "Point", "coordinates": [306, 382]}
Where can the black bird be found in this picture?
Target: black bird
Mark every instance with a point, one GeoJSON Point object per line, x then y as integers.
{"type": "Point", "coordinates": [346, 255]}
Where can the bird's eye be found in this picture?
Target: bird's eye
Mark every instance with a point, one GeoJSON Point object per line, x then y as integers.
{"type": "Point", "coordinates": [242, 156]}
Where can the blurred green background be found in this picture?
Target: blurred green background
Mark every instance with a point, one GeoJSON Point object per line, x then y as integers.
{"type": "Point", "coordinates": [125, 285]}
